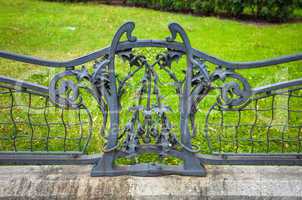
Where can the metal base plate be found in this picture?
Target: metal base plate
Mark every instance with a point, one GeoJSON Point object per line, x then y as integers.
{"type": "Point", "coordinates": [148, 170]}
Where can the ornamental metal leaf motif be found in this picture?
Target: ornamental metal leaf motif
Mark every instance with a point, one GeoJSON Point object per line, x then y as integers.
{"type": "Point", "coordinates": [143, 123]}
{"type": "Point", "coordinates": [148, 122]}
{"type": "Point", "coordinates": [149, 127]}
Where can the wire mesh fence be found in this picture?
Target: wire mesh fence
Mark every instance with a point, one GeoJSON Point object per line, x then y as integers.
{"type": "Point", "coordinates": [30, 122]}
{"type": "Point", "coordinates": [271, 123]}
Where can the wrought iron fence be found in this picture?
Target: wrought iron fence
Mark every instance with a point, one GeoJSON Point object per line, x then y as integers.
{"type": "Point", "coordinates": [172, 102]}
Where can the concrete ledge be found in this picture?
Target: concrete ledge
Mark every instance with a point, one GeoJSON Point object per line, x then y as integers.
{"type": "Point", "coordinates": [222, 182]}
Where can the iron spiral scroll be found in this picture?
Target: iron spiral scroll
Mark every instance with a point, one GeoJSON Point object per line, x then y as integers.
{"type": "Point", "coordinates": [142, 128]}
{"type": "Point", "coordinates": [149, 127]}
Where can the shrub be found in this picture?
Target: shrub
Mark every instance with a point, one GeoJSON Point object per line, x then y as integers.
{"type": "Point", "coordinates": [271, 10]}
{"type": "Point", "coordinates": [182, 5]}
{"type": "Point", "coordinates": [204, 6]}
{"type": "Point", "coordinates": [166, 4]}
{"type": "Point", "coordinates": [138, 2]}
{"type": "Point", "coordinates": [299, 3]}
{"type": "Point", "coordinates": [231, 7]}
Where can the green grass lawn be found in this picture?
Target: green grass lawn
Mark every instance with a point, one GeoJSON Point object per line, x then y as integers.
{"type": "Point", "coordinates": [62, 31]}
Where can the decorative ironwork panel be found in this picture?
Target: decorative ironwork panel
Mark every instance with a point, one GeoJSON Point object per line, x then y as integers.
{"type": "Point", "coordinates": [145, 97]}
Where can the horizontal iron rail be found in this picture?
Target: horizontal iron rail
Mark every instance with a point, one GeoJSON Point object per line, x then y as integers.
{"type": "Point", "coordinates": [149, 43]}
{"type": "Point", "coordinates": [71, 153]}
{"type": "Point", "coordinates": [277, 86]}
{"type": "Point", "coordinates": [47, 159]}
{"type": "Point", "coordinates": [251, 159]}
{"type": "Point", "coordinates": [223, 159]}
{"type": "Point", "coordinates": [24, 84]}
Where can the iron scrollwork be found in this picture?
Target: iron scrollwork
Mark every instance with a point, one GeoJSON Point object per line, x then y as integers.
{"type": "Point", "coordinates": [233, 94]}
{"type": "Point", "coordinates": [149, 127]}
{"type": "Point", "coordinates": [65, 93]}
{"type": "Point", "coordinates": [143, 124]}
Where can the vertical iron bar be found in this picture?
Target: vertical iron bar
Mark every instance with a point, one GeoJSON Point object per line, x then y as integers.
{"type": "Point", "coordinates": [222, 132]}
{"type": "Point", "coordinates": [81, 128]}
{"type": "Point", "coordinates": [47, 125]}
{"type": "Point", "coordinates": [90, 129]}
{"type": "Point", "coordinates": [288, 118]}
{"type": "Point", "coordinates": [13, 120]}
{"type": "Point", "coordinates": [300, 139]}
{"type": "Point", "coordinates": [236, 130]}
{"type": "Point", "coordinates": [65, 128]}
{"type": "Point", "coordinates": [270, 124]}
{"type": "Point", "coordinates": [29, 122]}
{"type": "Point", "coordinates": [254, 125]}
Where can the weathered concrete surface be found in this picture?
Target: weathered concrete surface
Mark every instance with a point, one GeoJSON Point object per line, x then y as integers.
{"type": "Point", "coordinates": [222, 182]}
